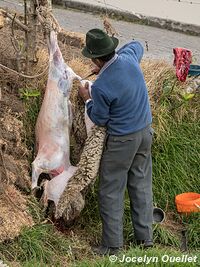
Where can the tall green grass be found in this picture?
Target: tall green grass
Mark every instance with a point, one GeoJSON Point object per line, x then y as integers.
{"type": "Point", "coordinates": [40, 243]}
{"type": "Point", "coordinates": [32, 100]}
{"type": "Point", "coordinates": [176, 169]}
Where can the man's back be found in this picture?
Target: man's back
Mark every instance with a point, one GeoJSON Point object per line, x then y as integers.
{"type": "Point", "coordinates": [124, 105]}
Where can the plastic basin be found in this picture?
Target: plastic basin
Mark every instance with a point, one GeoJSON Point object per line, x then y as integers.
{"type": "Point", "coordinates": [188, 202]}
{"type": "Point", "coordinates": [194, 70]}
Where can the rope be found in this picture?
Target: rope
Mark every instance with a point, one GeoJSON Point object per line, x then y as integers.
{"type": "Point", "coordinates": [23, 75]}
{"type": "Point", "coordinates": [47, 19]}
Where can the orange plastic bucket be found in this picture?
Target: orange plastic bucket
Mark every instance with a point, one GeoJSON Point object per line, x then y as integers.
{"type": "Point", "coordinates": [188, 202]}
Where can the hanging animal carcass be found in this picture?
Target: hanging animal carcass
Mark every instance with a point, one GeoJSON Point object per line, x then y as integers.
{"type": "Point", "coordinates": [53, 126]}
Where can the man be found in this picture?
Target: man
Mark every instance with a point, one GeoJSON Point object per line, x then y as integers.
{"type": "Point", "coordinates": [119, 101]}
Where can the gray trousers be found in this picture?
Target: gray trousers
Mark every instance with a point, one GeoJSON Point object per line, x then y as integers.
{"type": "Point", "coordinates": [126, 162]}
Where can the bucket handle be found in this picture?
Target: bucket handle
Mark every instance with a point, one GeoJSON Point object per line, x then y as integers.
{"type": "Point", "coordinates": [197, 205]}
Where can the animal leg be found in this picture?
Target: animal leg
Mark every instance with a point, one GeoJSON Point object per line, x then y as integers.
{"type": "Point", "coordinates": [35, 175]}
{"type": "Point", "coordinates": [55, 187]}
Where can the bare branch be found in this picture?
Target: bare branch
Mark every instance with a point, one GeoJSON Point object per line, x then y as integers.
{"type": "Point", "coordinates": [23, 75]}
{"type": "Point", "coordinates": [18, 22]}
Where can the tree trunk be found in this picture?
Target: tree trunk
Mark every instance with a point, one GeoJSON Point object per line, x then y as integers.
{"type": "Point", "coordinates": [31, 38]}
{"type": "Point", "coordinates": [32, 20]}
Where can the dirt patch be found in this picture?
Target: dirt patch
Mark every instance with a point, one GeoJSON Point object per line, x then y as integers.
{"type": "Point", "coordinates": [14, 214]}
{"type": "Point", "coordinates": [14, 165]}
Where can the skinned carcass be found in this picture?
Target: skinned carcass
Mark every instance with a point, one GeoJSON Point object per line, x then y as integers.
{"type": "Point", "coordinates": [53, 127]}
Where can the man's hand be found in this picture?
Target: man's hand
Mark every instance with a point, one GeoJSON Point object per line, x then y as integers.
{"type": "Point", "coordinates": [96, 69]}
{"type": "Point", "coordinates": [84, 91]}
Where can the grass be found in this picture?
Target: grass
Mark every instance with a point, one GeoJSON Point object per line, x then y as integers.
{"type": "Point", "coordinates": [40, 243]}
{"type": "Point", "coordinates": [176, 169]}
{"type": "Point", "coordinates": [175, 163]}
{"type": "Point", "coordinates": [32, 107]}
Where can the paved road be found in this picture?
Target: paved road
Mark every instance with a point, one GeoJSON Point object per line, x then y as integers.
{"type": "Point", "coordinates": [161, 42]}
{"type": "Point", "coordinates": [186, 11]}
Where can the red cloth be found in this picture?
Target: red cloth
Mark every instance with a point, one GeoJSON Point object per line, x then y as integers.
{"type": "Point", "coordinates": [182, 61]}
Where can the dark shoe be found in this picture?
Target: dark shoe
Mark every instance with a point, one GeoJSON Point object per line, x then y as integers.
{"type": "Point", "coordinates": [145, 243]}
{"type": "Point", "coordinates": [103, 250]}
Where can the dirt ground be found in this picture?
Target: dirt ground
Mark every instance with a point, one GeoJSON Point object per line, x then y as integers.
{"type": "Point", "coordinates": [14, 168]}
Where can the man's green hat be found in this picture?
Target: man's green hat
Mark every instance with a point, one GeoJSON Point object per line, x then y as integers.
{"type": "Point", "coordinates": [98, 44]}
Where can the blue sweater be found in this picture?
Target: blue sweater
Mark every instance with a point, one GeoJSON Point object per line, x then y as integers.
{"type": "Point", "coordinates": [119, 94]}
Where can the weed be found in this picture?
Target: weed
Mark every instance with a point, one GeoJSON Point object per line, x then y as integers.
{"type": "Point", "coordinates": [40, 243]}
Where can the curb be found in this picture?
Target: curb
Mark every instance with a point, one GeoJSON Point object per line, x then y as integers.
{"type": "Point", "coordinates": [130, 17]}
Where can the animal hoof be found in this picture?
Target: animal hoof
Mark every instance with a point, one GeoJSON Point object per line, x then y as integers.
{"type": "Point", "coordinates": [37, 192]}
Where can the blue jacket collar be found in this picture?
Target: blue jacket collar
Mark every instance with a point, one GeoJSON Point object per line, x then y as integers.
{"type": "Point", "coordinates": [107, 64]}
